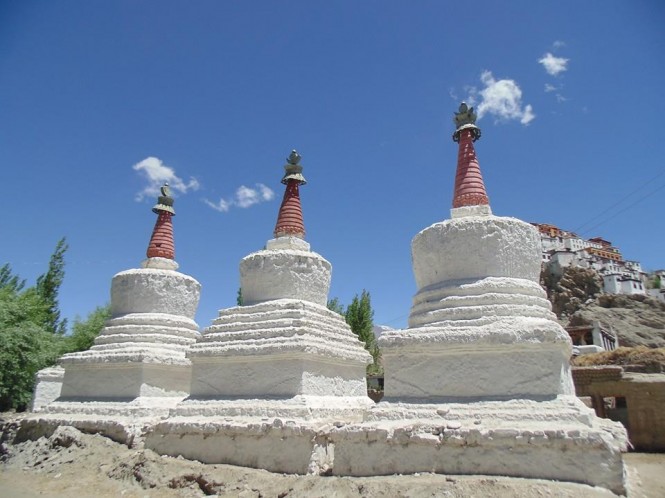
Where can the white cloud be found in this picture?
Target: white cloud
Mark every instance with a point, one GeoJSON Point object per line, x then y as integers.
{"type": "Point", "coordinates": [244, 197]}
{"type": "Point", "coordinates": [558, 44]}
{"type": "Point", "coordinates": [553, 65]}
{"type": "Point", "coordinates": [502, 99]}
{"type": "Point", "coordinates": [527, 115]}
{"type": "Point", "coordinates": [266, 193]}
{"type": "Point", "coordinates": [558, 95]}
{"type": "Point", "coordinates": [157, 173]}
{"type": "Point", "coordinates": [222, 206]}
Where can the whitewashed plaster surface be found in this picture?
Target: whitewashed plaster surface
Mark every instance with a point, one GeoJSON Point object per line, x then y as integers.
{"type": "Point", "coordinates": [556, 439]}
{"type": "Point", "coordinates": [286, 270]}
{"type": "Point", "coordinates": [115, 381]}
{"type": "Point", "coordinates": [280, 326]}
{"type": "Point", "coordinates": [475, 247]}
{"type": "Point", "coordinates": [524, 438]}
{"type": "Point", "coordinates": [122, 421]}
{"type": "Point", "coordinates": [137, 368]}
{"type": "Point", "coordinates": [480, 324]}
{"type": "Point", "coordinates": [478, 384]}
{"type": "Point", "coordinates": [48, 384]}
{"type": "Point", "coordinates": [285, 347]}
{"type": "Point", "coordinates": [150, 290]}
{"type": "Point", "coordinates": [267, 375]}
{"type": "Point", "coordinates": [480, 381]}
{"type": "Point", "coordinates": [140, 337]}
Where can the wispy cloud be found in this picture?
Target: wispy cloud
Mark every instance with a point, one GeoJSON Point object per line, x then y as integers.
{"type": "Point", "coordinates": [558, 44]}
{"type": "Point", "coordinates": [501, 99]}
{"type": "Point", "coordinates": [244, 197]}
{"type": "Point", "coordinates": [157, 173]}
{"type": "Point", "coordinates": [554, 65]}
{"type": "Point", "coordinates": [550, 88]}
{"type": "Point", "coordinates": [222, 206]}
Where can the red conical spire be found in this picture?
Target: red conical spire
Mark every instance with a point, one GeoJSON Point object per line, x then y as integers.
{"type": "Point", "coordinates": [469, 185]}
{"type": "Point", "coordinates": [161, 242]}
{"type": "Point", "coordinates": [289, 220]}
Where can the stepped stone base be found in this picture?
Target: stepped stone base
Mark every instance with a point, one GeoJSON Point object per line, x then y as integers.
{"type": "Point", "coordinates": [124, 422]}
{"type": "Point", "coordinates": [276, 376]}
{"type": "Point", "coordinates": [124, 381]}
{"type": "Point", "coordinates": [558, 439]}
{"type": "Point", "coordinates": [269, 381]}
{"type": "Point", "coordinates": [138, 354]}
{"type": "Point", "coordinates": [280, 348]}
{"type": "Point", "coordinates": [279, 435]}
{"type": "Point", "coordinates": [137, 369]}
{"type": "Point", "coordinates": [273, 444]}
{"type": "Point", "coordinates": [503, 358]}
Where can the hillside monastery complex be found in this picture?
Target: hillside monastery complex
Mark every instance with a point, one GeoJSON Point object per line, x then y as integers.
{"type": "Point", "coordinates": [478, 383]}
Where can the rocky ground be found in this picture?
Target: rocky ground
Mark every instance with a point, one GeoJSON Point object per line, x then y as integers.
{"type": "Point", "coordinates": [70, 463]}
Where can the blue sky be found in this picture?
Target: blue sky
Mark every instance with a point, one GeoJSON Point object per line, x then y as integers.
{"type": "Point", "coordinates": [95, 96]}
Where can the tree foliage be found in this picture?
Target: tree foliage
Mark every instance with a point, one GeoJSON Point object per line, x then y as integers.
{"type": "Point", "coordinates": [359, 315]}
{"type": "Point", "coordinates": [10, 281]}
{"type": "Point", "coordinates": [85, 331]}
{"type": "Point", "coordinates": [334, 305]}
{"type": "Point", "coordinates": [25, 345]}
{"type": "Point", "coordinates": [31, 331]}
{"type": "Point", "coordinates": [48, 287]}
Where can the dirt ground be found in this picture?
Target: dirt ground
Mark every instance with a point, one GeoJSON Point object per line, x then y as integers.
{"type": "Point", "coordinates": [70, 463]}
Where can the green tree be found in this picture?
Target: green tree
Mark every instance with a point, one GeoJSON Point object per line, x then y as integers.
{"type": "Point", "coordinates": [25, 345]}
{"type": "Point", "coordinates": [239, 297]}
{"type": "Point", "coordinates": [9, 280]}
{"type": "Point", "coordinates": [31, 331]}
{"type": "Point", "coordinates": [48, 286]}
{"type": "Point", "coordinates": [360, 317]}
{"type": "Point", "coordinates": [334, 305]}
{"type": "Point", "coordinates": [84, 331]}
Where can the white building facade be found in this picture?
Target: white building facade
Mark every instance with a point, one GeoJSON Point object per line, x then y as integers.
{"type": "Point", "coordinates": [561, 249]}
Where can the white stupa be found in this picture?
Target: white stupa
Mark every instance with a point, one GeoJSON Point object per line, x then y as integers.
{"type": "Point", "coordinates": [480, 381]}
{"type": "Point", "coordinates": [271, 376]}
{"type": "Point", "coordinates": [137, 368]}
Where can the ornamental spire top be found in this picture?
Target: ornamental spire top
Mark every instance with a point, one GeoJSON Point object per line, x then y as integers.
{"type": "Point", "coordinates": [289, 220]}
{"type": "Point", "coordinates": [161, 242]}
{"type": "Point", "coordinates": [164, 201]}
{"type": "Point", "coordinates": [465, 119]}
{"type": "Point", "coordinates": [469, 186]}
{"type": "Point", "coordinates": [293, 170]}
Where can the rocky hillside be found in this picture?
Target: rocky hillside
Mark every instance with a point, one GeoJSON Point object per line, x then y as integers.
{"type": "Point", "coordinates": [576, 300]}
{"type": "Point", "coordinates": [637, 320]}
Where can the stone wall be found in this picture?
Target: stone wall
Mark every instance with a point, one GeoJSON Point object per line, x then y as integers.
{"type": "Point", "coordinates": [644, 396]}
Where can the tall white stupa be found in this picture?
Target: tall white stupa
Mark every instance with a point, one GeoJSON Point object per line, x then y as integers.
{"type": "Point", "coordinates": [480, 382]}
{"type": "Point", "coordinates": [137, 368]}
{"type": "Point", "coordinates": [271, 375]}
